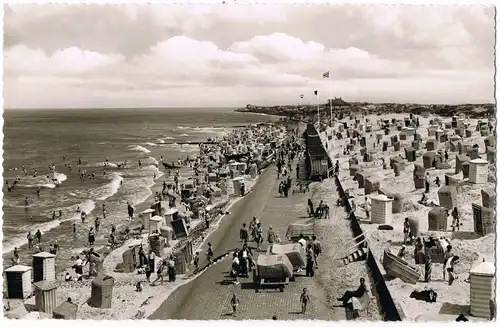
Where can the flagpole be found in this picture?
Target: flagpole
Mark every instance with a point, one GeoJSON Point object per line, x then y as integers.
{"type": "Point", "coordinates": [331, 105]}
{"type": "Point", "coordinates": [317, 103]}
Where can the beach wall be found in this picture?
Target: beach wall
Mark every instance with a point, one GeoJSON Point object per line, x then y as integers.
{"type": "Point", "coordinates": [389, 308]}
{"type": "Point", "coordinates": [391, 311]}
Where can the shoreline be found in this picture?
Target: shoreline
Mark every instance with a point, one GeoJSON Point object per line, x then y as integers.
{"type": "Point", "coordinates": [153, 302]}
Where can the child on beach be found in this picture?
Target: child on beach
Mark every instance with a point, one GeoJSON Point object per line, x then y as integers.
{"type": "Point", "coordinates": [304, 299]}
{"type": "Point", "coordinates": [91, 236]}
{"type": "Point", "coordinates": [30, 240]}
{"type": "Point", "coordinates": [234, 303]}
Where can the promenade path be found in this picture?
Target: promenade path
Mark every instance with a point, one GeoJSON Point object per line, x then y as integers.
{"type": "Point", "coordinates": [207, 297]}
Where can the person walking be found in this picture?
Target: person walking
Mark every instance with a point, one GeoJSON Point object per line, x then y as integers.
{"type": "Point", "coordinates": [447, 255]}
{"type": "Point", "coordinates": [311, 207]}
{"type": "Point", "coordinates": [171, 269]}
{"type": "Point", "coordinates": [271, 236]}
{"type": "Point", "coordinates": [316, 249]}
{"type": "Point", "coordinates": [309, 261]}
{"type": "Point", "coordinates": [304, 300]}
{"type": "Point", "coordinates": [235, 302]}
{"type": "Point", "coordinates": [210, 253]}
{"type": "Point", "coordinates": [244, 234]}
{"type": "Point", "coordinates": [235, 268]}
{"type": "Point", "coordinates": [159, 272]}
{"type": "Point", "coordinates": [196, 262]}
{"type": "Point", "coordinates": [260, 236]}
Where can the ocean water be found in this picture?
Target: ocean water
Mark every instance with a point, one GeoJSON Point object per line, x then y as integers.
{"type": "Point", "coordinates": [37, 139]}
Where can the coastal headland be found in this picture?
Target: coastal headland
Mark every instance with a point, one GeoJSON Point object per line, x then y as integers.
{"type": "Point", "coordinates": [301, 111]}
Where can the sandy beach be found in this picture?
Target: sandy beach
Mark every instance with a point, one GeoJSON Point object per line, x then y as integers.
{"type": "Point", "coordinates": [470, 247]}
{"type": "Point", "coordinates": [127, 303]}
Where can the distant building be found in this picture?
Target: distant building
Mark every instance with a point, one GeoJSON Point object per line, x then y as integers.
{"type": "Point", "coordinates": [338, 102]}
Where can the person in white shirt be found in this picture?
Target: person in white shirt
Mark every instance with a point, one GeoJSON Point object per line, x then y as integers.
{"type": "Point", "coordinates": [450, 268]}
{"type": "Point", "coordinates": [303, 243]}
{"type": "Point", "coordinates": [367, 207]}
{"type": "Point", "coordinates": [235, 268]}
{"type": "Point", "coordinates": [78, 266]}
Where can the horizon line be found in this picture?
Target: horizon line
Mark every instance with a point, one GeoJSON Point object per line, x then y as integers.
{"type": "Point", "coordinates": [244, 107]}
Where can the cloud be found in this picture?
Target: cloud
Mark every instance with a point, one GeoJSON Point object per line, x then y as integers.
{"type": "Point", "coordinates": [67, 56]}
{"type": "Point", "coordinates": [23, 60]}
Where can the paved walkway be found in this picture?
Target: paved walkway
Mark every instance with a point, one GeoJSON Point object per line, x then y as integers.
{"type": "Point", "coordinates": [208, 296]}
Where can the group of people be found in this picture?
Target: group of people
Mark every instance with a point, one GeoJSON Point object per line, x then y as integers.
{"type": "Point", "coordinates": [242, 263]}
{"type": "Point", "coordinates": [322, 211]}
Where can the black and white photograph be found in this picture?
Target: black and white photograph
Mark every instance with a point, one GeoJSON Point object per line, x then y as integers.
{"type": "Point", "coordinates": [249, 161]}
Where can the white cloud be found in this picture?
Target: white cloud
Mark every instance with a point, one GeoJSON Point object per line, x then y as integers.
{"type": "Point", "coordinates": [279, 46]}
{"type": "Point", "coordinates": [23, 60]}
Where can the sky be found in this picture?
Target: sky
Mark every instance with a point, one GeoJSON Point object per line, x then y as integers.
{"type": "Point", "coordinates": [95, 56]}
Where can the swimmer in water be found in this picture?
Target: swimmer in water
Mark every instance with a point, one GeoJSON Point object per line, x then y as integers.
{"type": "Point", "coordinates": [53, 215]}
{"type": "Point", "coordinates": [38, 192]}
{"type": "Point", "coordinates": [26, 202]}
{"type": "Point", "coordinates": [140, 163]}
{"type": "Point", "coordinates": [79, 161]}
{"type": "Point", "coordinates": [83, 215]}
{"type": "Point", "coordinates": [60, 213]}
{"type": "Point", "coordinates": [34, 173]}
{"type": "Point", "coordinates": [78, 210]}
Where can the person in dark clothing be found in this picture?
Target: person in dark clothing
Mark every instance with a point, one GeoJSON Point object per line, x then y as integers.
{"type": "Point", "coordinates": [317, 249]}
{"type": "Point", "coordinates": [38, 236]}
{"type": "Point", "coordinates": [244, 234]}
{"type": "Point", "coordinates": [357, 293]}
{"type": "Point", "coordinates": [311, 207]}
{"type": "Point", "coordinates": [130, 211]}
{"type": "Point", "coordinates": [309, 261]}
{"type": "Point", "coordinates": [304, 299]}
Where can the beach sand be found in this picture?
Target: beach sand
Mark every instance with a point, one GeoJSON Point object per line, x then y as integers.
{"type": "Point", "coordinates": [469, 246]}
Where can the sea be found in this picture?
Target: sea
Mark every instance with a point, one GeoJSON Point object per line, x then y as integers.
{"type": "Point", "coordinates": [38, 139]}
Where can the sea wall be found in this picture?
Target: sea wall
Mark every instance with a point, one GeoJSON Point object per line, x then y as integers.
{"type": "Point", "coordinates": [392, 312]}
{"type": "Point", "coordinates": [389, 308]}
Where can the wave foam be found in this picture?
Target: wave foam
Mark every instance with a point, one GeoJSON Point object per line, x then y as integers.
{"type": "Point", "coordinates": [139, 148]}
{"type": "Point", "coordinates": [150, 144]}
{"type": "Point", "coordinates": [110, 189]}
{"type": "Point", "coordinates": [20, 239]}
{"type": "Point", "coordinates": [104, 164]}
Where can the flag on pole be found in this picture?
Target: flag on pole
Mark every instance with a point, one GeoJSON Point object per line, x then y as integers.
{"type": "Point", "coordinates": [302, 96]}
{"type": "Point", "coordinates": [326, 75]}
{"type": "Point", "coordinates": [315, 92]}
